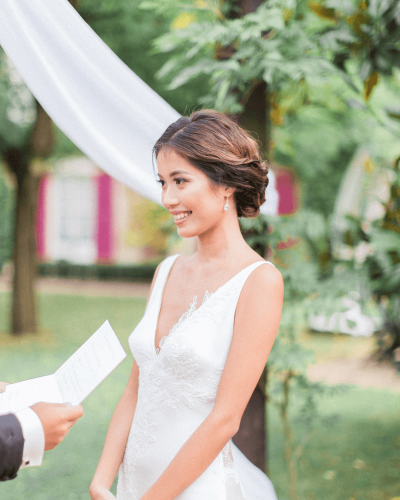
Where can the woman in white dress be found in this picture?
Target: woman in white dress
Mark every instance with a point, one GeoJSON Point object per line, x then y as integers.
{"type": "Point", "coordinates": [206, 334]}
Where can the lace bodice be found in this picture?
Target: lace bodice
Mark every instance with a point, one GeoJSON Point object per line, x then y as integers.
{"type": "Point", "coordinates": [184, 316]}
{"type": "Point", "coordinates": [178, 384]}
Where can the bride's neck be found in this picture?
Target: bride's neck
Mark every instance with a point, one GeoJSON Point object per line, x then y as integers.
{"type": "Point", "coordinates": [222, 243]}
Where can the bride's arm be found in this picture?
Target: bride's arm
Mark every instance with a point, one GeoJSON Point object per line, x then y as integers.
{"type": "Point", "coordinates": [117, 434]}
{"type": "Point", "coordinates": [257, 320]}
{"type": "Point", "coordinates": [116, 439]}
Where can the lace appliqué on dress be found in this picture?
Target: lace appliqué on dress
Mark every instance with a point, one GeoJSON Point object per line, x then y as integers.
{"type": "Point", "coordinates": [207, 295]}
{"type": "Point", "coordinates": [225, 462]}
{"type": "Point", "coordinates": [184, 316]}
{"type": "Point", "coordinates": [139, 437]}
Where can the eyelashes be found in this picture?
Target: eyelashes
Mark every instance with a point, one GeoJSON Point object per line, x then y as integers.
{"type": "Point", "coordinates": [178, 180]}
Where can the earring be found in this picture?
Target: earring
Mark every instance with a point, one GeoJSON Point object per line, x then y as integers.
{"type": "Point", "coordinates": [226, 206]}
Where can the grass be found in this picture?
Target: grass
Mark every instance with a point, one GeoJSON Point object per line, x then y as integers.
{"type": "Point", "coordinates": [328, 347]}
{"type": "Point", "coordinates": [357, 457]}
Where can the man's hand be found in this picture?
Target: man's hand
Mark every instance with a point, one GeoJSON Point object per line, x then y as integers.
{"type": "Point", "coordinates": [57, 419]}
{"type": "Point", "coordinates": [3, 386]}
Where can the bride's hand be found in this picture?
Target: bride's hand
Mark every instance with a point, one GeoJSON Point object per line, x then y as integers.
{"type": "Point", "coordinates": [100, 493]}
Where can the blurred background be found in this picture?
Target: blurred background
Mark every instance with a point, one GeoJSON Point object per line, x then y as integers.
{"type": "Point", "coordinates": [318, 84]}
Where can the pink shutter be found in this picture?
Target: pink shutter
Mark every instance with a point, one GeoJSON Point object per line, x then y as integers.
{"type": "Point", "coordinates": [104, 218]}
{"type": "Point", "coordinates": [286, 185]}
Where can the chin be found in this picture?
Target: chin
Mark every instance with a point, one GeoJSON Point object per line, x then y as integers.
{"type": "Point", "coordinates": [191, 232]}
{"type": "Point", "coordinates": [186, 232]}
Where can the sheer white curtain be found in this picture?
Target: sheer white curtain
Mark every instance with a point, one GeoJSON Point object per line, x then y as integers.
{"type": "Point", "coordinates": [93, 97]}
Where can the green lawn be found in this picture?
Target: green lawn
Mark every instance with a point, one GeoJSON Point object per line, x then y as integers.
{"type": "Point", "coordinates": [357, 458]}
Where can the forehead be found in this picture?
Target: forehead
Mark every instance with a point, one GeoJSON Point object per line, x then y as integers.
{"type": "Point", "coordinates": [169, 161]}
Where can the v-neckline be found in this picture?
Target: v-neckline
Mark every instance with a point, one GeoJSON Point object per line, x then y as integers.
{"type": "Point", "coordinates": [207, 294]}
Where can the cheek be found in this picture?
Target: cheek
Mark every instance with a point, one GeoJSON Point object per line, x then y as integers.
{"type": "Point", "coordinates": [206, 202]}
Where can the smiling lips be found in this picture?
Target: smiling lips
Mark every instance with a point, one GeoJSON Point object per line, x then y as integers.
{"type": "Point", "coordinates": [181, 216]}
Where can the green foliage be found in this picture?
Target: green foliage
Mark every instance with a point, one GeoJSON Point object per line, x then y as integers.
{"type": "Point", "coordinates": [318, 143]}
{"type": "Point", "coordinates": [298, 243]}
{"type": "Point", "coordinates": [273, 44]}
{"type": "Point", "coordinates": [17, 111]}
{"type": "Point", "coordinates": [388, 339]}
{"type": "Point", "coordinates": [367, 32]}
{"type": "Point", "coordinates": [289, 44]}
{"type": "Point", "coordinates": [374, 245]}
{"type": "Point", "coordinates": [385, 261]}
{"type": "Point", "coordinates": [63, 146]}
{"type": "Point", "coordinates": [64, 269]}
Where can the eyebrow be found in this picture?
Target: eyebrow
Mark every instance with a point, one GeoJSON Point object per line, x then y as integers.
{"type": "Point", "coordinates": [175, 172]}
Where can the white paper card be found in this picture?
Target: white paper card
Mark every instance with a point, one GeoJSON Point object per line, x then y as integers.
{"type": "Point", "coordinates": [74, 380]}
{"type": "Point", "coordinates": [23, 394]}
{"type": "Point", "coordinates": [90, 365]}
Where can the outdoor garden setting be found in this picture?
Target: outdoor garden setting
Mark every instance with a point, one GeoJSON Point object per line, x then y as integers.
{"type": "Point", "coordinates": [317, 84]}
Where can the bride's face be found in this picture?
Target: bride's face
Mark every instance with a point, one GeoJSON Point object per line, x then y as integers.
{"type": "Point", "coordinates": [196, 203]}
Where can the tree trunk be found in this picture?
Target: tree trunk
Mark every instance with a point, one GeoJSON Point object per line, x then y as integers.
{"type": "Point", "coordinates": [251, 438]}
{"type": "Point", "coordinates": [24, 254]}
{"type": "Point", "coordinates": [256, 117]}
{"type": "Point", "coordinates": [19, 162]}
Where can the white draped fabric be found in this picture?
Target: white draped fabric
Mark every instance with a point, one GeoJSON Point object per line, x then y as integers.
{"type": "Point", "coordinates": [93, 97]}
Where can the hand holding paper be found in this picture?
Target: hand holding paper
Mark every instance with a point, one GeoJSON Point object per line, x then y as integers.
{"type": "Point", "coordinates": [74, 380]}
{"type": "Point", "coordinates": [57, 420]}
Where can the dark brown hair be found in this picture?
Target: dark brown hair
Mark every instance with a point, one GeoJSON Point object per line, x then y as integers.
{"type": "Point", "coordinates": [225, 152]}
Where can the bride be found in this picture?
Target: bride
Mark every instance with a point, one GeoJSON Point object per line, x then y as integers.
{"type": "Point", "coordinates": [208, 328]}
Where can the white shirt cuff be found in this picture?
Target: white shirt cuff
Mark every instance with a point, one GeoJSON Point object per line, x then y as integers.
{"type": "Point", "coordinates": [32, 430]}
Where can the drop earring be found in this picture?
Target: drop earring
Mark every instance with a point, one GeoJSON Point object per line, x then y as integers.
{"type": "Point", "coordinates": [226, 206]}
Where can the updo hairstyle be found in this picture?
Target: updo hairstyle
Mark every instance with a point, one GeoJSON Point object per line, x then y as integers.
{"type": "Point", "coordinates": [221, 149]}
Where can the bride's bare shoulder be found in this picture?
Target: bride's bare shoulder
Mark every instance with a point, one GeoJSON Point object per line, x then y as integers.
{"type": "Point", "coordinates": [264, 281]}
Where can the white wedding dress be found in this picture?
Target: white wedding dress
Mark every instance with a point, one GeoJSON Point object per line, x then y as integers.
{"type": "Point", "coordinates": [177, 389]}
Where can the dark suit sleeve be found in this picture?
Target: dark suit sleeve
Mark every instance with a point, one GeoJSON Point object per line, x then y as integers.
{"type": "Point", "coordinates": [11, 446]}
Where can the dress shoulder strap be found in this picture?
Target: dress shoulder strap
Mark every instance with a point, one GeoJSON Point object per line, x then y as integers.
{"type": "Point", "coordinates": [162, 276]}
{"type": "Point", "coordinates": [245, 273]}
{"type": "Point", "coordinates": [241, 279]}
{"type": "Point", "coordinates": [164, 270]}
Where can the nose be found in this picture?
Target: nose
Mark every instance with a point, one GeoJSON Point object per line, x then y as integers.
{"type": "Point", "coordinates": [169, 197]}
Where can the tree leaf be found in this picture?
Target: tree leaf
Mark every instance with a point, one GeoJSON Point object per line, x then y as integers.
{"type": "Point", "coordinates": [369, 84]}
{"type": "Point", "coordinates": [322, 11]}
{"type": "Point", "coordinates": [385, 240]}
{"type": "Point", "coordinates": [222, 92]}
